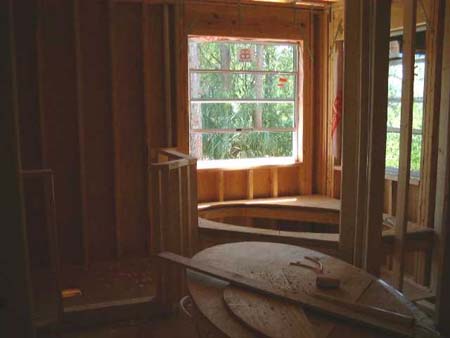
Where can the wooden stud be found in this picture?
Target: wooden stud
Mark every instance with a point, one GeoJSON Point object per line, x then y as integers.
{"type": "Point", "coordinates": [274, 181]}
{"type": "Point", "coordinates": [431, 113]}
{"type": "Point", "coordinates": [363, 130]}
{"type": "Point", "coordinates": [115, 129]}
{"type": "Point", "coordinates": [441, 258]}
{"type": "Point", "coordinates": [167, 74]}
{"type": "Point", "coordinates": [221, 185]}
{"type": "Point", "coordinates": [17, 299]}
{"type": "Point", "coordinates": [410, 11]}
{"type": "Point", "coordinates": [250, 184]}
{"type": "Point", "coordinates": [427, 188]}
{"type": "Point", "coordinates": [377, 134]}
{"type": "Point", "coordinates": [351, 104]}
{"type": "Point", "coordinates": [81, 133]}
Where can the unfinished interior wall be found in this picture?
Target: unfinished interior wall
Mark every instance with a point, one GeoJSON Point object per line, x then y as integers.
{"type": "Point", "coordinates": [83, 117]}
{"type": "Point", "coordinates": [94, 103]}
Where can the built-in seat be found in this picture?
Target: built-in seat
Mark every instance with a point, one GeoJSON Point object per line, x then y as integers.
{"type": "Point", "coordinates": [308, 208]}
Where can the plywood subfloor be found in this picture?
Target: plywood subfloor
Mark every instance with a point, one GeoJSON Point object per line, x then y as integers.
{"type": "Point", "coordinates": [107, 282]}
{"type": "Point", "coordinates": [173, 327]}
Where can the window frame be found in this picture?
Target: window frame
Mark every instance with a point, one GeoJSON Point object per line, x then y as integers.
{"type": "Point", "coordinates": [296, 100]}
{"type": "Point", "coordinates": [393, 171]}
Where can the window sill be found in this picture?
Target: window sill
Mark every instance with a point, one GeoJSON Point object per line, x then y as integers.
{"type": "Point", "coordinates": [246, 163]}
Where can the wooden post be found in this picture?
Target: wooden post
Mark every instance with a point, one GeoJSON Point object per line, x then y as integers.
{"type": "Point", "coordinates": [81, 134]}
{"type": "Point", "coordinates": [15, 281]}
{"type": "Point", "coordinates": [427, 187]}
{"type": "Point", "coordinates": [409, 33]}
{"type": "Point", "coordinates": [351, 104]}
{"type": "Point", "coordinates": [167, 74]}
{"type": "Point", "coordinates": [364, 131]}
{"type": "Point", "coordinates": [117, 192]}
{"type": "Point", "coordinates": [441, 258]}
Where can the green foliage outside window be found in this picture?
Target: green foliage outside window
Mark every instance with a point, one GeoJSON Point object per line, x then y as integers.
{"type": "Point", "coordinates": [227, 94]}
{"type": "Point", "coordinates": [394, 115]}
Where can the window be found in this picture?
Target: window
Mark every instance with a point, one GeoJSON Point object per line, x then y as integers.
{"type": "Point", "coordinates": [244, 100]}
{"type": "Point", "coordinates": [394, 112]}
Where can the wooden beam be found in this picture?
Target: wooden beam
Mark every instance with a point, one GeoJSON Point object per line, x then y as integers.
{"type": "Point", "coordinates": [409, 33]}
{"type": "Point", "coordinates": [441, 267]}
{"type": "Point", "coordinates": [15, 280]}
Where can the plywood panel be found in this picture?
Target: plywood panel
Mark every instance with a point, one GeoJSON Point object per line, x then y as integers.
{"type": "Point", "coordinates": [59, 119]}
{"type": "Point", "coordinates": [285, 23]}
{"type": "Point", "coordinates": [261, 183]}
{"type": "Point", "coordinates": [207, 186]}
{"type": "Point", "coordinates": [235, 185]}
{"type": "Point", "coordinates": [216, 19]}
{"type": "Point", "coordinates": [29, 119]}
{"type": "Point", "coordinates": [97, 136]}
{"type": "Point", "coordinates": [153, 61]}
{"type": "Point", "coordinates": [129, 129]}
{"type": "Point", "coordinates": [288, 181]}
{"type": "Point", "coordinates": [29, 127]}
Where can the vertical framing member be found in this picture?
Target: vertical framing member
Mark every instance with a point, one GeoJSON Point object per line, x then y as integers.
{"type": "Point", "coordinates": [364, 127]}
{"type": "Point", "coordinates": [441, 259]}
{"type": "Point", "coordinates": [409, 17]}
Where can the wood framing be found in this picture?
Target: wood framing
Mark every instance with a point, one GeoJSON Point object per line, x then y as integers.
{"type": "Point", "coordinates": [378, 92]}
{"type": "Point", "coordinates": [15, 281]}
{"type": "Point", "coordinates": [409, 33]}
{"type": "Point", "coordinates": [351, 104]}
{"type": "Point", "coordinates": [364, 127]}
{"type": "Point", "coordinates": [441, 267]}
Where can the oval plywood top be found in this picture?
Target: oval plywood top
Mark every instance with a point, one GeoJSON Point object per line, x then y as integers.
{"type": "Point", "coordinates": [286, 320]}
{"type": "Point", "coordinates": [274, 318]}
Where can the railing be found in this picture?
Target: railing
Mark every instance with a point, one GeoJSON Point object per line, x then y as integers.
{"type": "Point", "coordinates": [173, 217]}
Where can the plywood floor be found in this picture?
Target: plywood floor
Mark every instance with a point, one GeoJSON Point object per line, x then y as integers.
{"type": "Point", "coordinates": [109, 282]}
{"type": "Point", "coordinates": [174, 327]}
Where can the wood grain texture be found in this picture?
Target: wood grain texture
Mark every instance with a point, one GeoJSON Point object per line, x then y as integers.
{"type": "Point", "coordinates": [17, 317]}
{"type": "Point", "coordinates": [441, 272]}
{"type": "Point", "coordinates": [410, 12]}
{"type": "Point", "coordinates": [57, 83]}
{"type": "Point", "coordinates": [287, 320]}
{"type": "Point", "coordinates": [97, 136]}
{"type": "Point", "coordinates": [129, 129]}
{"type": "Point", "coordinates": [266, 264]}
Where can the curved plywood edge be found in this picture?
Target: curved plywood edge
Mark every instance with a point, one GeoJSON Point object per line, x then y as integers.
{"type": "Point", "coordinates": [308, 239]}
{"type": "Point", "coordinates": [310, 208]}
{"type": "Point", "coordinates": [305, 201]}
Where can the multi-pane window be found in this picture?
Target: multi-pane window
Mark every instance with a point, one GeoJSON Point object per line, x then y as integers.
{"type": "Point", "coordinates": [243, 99]}
{"type": "Point", "coordinates": [394, 114]}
